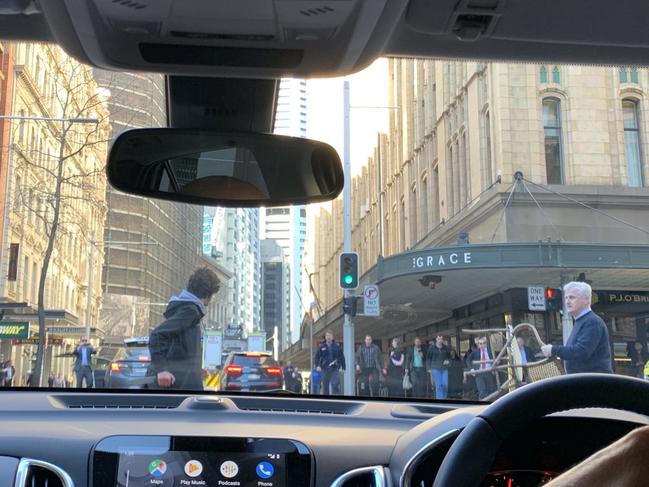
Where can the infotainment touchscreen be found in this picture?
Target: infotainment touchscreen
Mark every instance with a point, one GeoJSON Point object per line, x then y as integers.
{"type": "Point", "coordinates": [165, 461]}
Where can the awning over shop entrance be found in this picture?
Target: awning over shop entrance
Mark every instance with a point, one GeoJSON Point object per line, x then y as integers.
{"type": "Point", "coordinates": [423, 287]}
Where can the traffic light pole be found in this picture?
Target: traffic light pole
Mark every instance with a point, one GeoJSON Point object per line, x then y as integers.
{"type": "Point", "coordinates": [566, 320]}
{"type": "Point", "coordinates": [348, 325]}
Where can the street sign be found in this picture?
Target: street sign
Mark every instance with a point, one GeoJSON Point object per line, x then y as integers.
{"type": "Point", "coordinates": [14, 329]}
{"type": "Point", "coordinates": [371, 300]}
{"type": "Point", "coordinates": [536, 298]}
{"type": "Point", "coordinates": [257, 342]}
{"type": "Point", "coordinates": [212, 349]}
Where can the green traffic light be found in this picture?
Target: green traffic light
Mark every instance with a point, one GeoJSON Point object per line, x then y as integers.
{"type": "Point", "coordinates": [348, 279]}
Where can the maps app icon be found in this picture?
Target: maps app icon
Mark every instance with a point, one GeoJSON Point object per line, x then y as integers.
{"type": "Point", "coordinates": [157, 468]}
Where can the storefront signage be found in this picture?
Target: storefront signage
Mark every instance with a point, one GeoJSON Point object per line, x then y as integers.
{"type": "Point", "coordinates": [441, 260]}
{"type": "Point", "coordinates": [623, 297]}
{"type": "Point", "coordinates": [34, 341]}
{"type": "Point", "coordinates": [67, 331]}
{"type": "Point", "coordinates": [14, 329]}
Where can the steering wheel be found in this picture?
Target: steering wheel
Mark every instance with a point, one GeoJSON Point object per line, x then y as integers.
{"type": "Point", "coordinates": [470, 457]}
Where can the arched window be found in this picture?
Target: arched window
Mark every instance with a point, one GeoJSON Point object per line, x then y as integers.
{"type": "Point", "coordinates": [556, 75]}
{"type": "Point", "coordinates": [552, 135]}
{"type": "Point", "coordinates": [543, 74]}
{"type": "Point", "coordinates": [629, 75]}
{"type": "Point", "coordinates": [632, 143]}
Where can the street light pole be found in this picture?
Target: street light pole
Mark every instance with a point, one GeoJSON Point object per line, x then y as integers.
{"type": "Point", "coordinates": [348, 324]}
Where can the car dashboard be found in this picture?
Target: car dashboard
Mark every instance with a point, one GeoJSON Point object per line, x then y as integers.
{"type": "Point", "coordinates": [133, 439]}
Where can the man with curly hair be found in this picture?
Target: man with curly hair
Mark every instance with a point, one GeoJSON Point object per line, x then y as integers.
{"type": "Point", "coordinates": [175, 344]}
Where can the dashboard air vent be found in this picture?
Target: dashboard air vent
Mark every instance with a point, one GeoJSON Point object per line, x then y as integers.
{"type": "Point", "coordinates": [115, 401]}
{"type": "Point", "coordinates": [310, 12]}
{"type": "Point", "coordinates": [303, 406]}
{"type": "Point", "coordinates": [36, 473]}
{"type": "Point", "coordinates": [131, 4]}
{"type": "Point", "coordinates": [362, 477]}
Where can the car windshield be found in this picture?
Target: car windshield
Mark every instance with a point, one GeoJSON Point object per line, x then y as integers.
{"type": "Point", "coordinates": [137, 354]}
{"type": "Point", "coordinates": [247, 361]}
{"type": "Point", "coordinates": [477, 192]}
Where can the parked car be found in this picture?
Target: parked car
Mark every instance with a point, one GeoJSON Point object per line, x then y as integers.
{"type": "Point", "coordinates": [129, 368]}
{"type": "Point", "coordinates": [251, 371]}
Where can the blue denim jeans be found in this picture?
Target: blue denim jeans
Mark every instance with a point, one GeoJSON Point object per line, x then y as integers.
{"type": "Point", "coordinates": [440, 377]}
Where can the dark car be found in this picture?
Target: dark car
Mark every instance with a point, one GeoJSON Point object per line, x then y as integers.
{"type": "Point", "coordinates": [129, 368]}
{"type": "Point", "coordinates": [99, 366]}
{"type": "Point", "coordinates": [251, 371]}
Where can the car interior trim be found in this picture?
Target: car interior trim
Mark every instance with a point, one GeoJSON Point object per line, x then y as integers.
{"type": "Point", "coordinates": [26, 464]}
{"type": "Point", "coordinates": [406, 474]}
{"type": "Point", "coordinates": [377, 471]}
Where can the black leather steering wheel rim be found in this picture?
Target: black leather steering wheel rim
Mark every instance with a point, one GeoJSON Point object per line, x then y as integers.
{"type": "Point", "coordinates": [471, 455]}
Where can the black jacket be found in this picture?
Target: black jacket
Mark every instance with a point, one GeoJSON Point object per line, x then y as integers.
{"type": "Point", "coordinates": [437, 356]}
{"type": "Point", "coordinates": [329, 359]}
{"type": "Point", "coordinates": [79, 357]}
{"type": "Point", "coordinates": [175, 345]}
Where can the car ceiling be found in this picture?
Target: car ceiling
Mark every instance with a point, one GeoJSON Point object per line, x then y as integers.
{"type": "Point", "coordinates": [311, 38]}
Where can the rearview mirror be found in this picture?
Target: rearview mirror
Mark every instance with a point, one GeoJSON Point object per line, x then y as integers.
{"type": "Point", "coordinates": [224, 169]}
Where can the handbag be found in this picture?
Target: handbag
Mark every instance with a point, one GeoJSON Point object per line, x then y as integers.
{"type": "Point", "coordinates": [406, 384]}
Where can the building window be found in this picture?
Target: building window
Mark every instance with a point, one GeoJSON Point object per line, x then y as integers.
{"type": "Point", "coordinates": [413, 217]}
{"type": "Point", "coordinates": [12, 274]}
{"type": "Point", "coordinates": [629, 75]}
{"type": "Point", "coordinates": [632, 143]}
{"type": "Point", "coordinates": [556, 75]}
{"type": "Point", "coordinates": [435, 192]}
{"type": "Point", "coordinates": [543, 74]}
{"type": "Point", "coordinates": [488, 170]}
{"type": "Point", "coordinates": [402, 227]}
{"type": "Point", "coordinates": [552, 132]}
{"type": "Point", "coordinates": [424, 204]}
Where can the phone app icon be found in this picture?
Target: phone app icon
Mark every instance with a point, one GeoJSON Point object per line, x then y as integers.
{"type": "Point", "coordinates": [193, 468]}
{"type": "Point", "coordinates": [229, 469]}
{"type": "Point", "coordinates": [265, 470]}
{"type": "Point", "coordinates": [157, 468]}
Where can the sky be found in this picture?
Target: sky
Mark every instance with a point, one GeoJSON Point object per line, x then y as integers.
{"type": "Point", "coordinates": [368, 88]}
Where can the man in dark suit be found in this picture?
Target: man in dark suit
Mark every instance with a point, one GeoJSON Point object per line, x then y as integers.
{"type": "Point", "coordinates": [480, 359]}
{"type": "Point", "coordinates": [83, 364]}
{"type": "Point", "coordinates": [588, 348]}
{"type": "Point", "coordinates": [526, 352]}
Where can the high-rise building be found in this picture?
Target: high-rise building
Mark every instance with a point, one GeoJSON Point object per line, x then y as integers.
{"type": "Point", "coordinates": [287, 225]}
{"type": "Point", "coordinates": [291, 112]}
{"type": "Point", "coordinates": [151, 246]}
{"type": "Point", "coordinates": [276, 280]}
{"type": "Point", "coordinates": [236, 247]}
